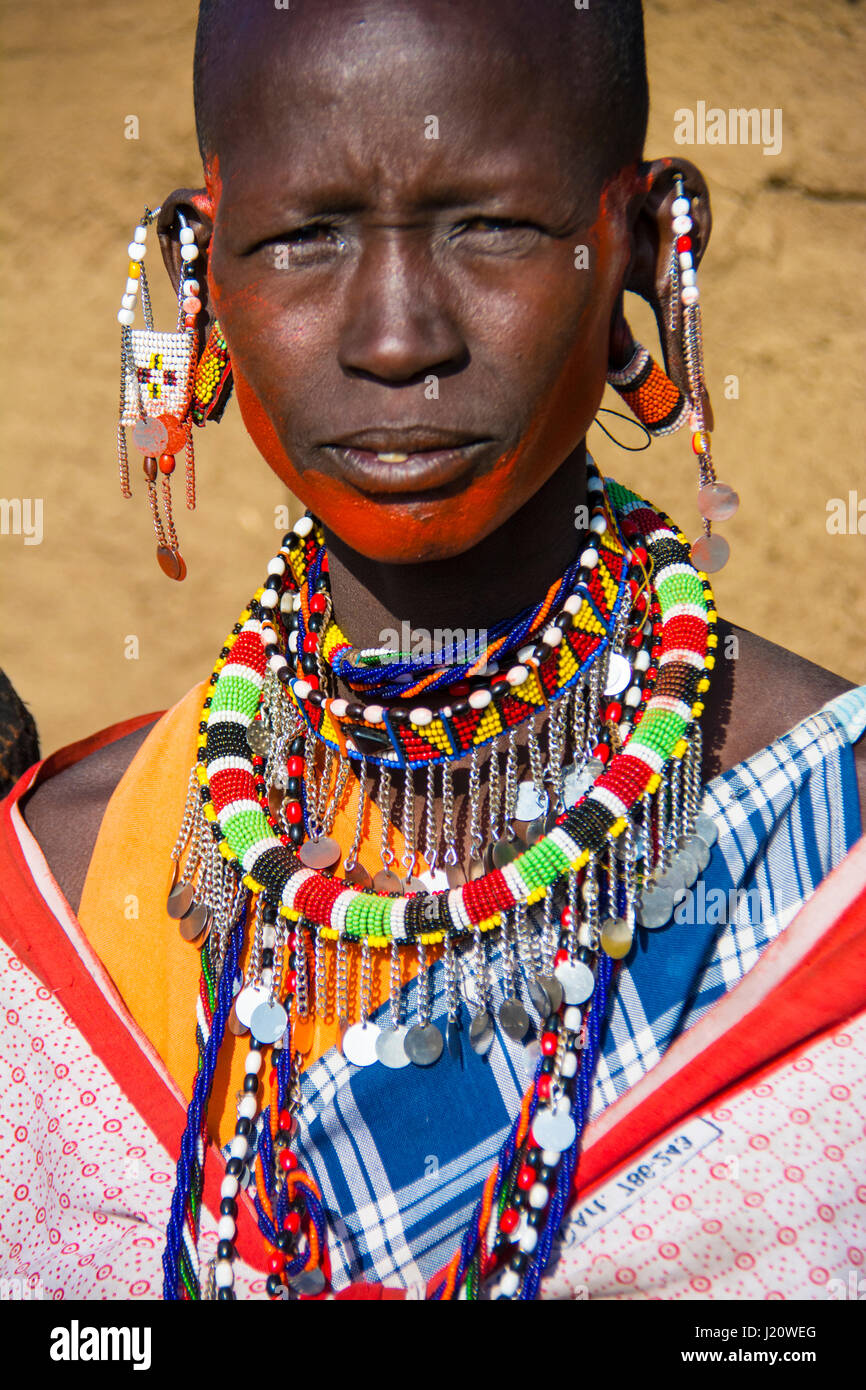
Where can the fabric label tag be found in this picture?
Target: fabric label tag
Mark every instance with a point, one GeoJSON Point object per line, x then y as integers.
{"type": "Point", "coordinates": [647, 1172]}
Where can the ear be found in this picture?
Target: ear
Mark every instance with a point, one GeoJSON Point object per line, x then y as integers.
{"type": "Point", "coordinates": [649, 273]}
{"type": "Point", "coordinates": [194, 204]}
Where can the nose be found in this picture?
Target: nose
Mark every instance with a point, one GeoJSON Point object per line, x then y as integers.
{"type": "Point", "coordinates": [398, 326]}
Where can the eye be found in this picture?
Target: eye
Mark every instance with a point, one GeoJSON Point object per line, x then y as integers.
{"type": "Point", "coordinates": [311, 242]}
{"type": "Point", "coordinates": [496, 235]}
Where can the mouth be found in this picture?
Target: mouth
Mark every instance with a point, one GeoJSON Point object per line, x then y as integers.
{"type": "Point", "coordinates": [410, 461]}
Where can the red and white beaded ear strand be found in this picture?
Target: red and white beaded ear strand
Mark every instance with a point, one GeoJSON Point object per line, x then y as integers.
{"type": "Point", "coordinates": [716, 501]}
{"type": "Point", "coordinates": [156, 388]}
{"type": "Point", "coordinates": [660, 405]}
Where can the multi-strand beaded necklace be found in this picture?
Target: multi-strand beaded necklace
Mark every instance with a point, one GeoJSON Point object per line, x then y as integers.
{"type": "Point", "coordinates": [613, 665]}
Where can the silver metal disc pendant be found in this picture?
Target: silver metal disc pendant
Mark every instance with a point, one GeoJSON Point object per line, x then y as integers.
{"type": "Point", "coordinates": [673, 878]}
{"type": "Point", "coordinates": [269, 1022]}
{"type": "Point", "coordinates": [687, 865]}
{"type": "Point", "coordinates": [532, 1055]}
{"type": "Point", "coordinates": [435, 881]}
{"type": "Point", "coordinates": [530, 803]}
{"type": "Point", "coordinates": [386, 881]}
{"type": "Point", "coordinates": [150, 436]}
{"type": "Point", "coordinates": [414, 884]}
{"type": "Point", "coordinates": [618, 674]}
{"type": "Point", "coordinates": [358, 876]}
{"type": "Point", "coordinates": [391, 1048]}
{"type": "Point", "coordinates": [554, 1129]}
{"type": "Point", "coordinates": [553, 989]}
{"type": "Point", "coordinates": [308, 1283]}
{"type": "Point", "coordinates": [706, 829]}
{"type": "Point", "coordinates": [196, 922]}
{"type": "Point", "coordinates": [540, 997]}
{"type": "Point", "coordinates": [424, 1044]}
{"type": "Point", "coordinates": [535, 831]}
{"type": "Point", "coordinates": [259, 738]}
{"type": "Point", "coordinates": [359, 1044]}
{"type": "Point", "coordinates": [617, 935]}
{"type": "Point", "coordinates": [571, 784]}
{"type": "Point", "coordinates": [577, 981]}
{"type": "Point", "coordinates": [248, 1001]}
{"type": "Point", "coordinates": [502, 852]}
{"type": "Point", "coordinates": [481, 1033]}
{"type": "Point", "coordinates": [700, 851]}
{"type": "Point", "coordinates": [655, 907]}
{"type": "Point", "coordinates": [579, 780]}
{"type": "Point", "coordinates": [320, 854]}
{"type": "Point", "coordinates": [513, 1020]}
{"type": "Point", "coordinates": [180, 900]}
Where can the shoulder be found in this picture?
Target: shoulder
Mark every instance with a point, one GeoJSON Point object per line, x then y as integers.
{"type": "Point", "coordinates": [760, 691]}
{"type": "Point", "coordinates": [65, 812]}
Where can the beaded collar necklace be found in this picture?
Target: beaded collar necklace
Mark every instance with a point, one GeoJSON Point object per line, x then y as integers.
{"type": "Point", "coordinates": [616, 850]}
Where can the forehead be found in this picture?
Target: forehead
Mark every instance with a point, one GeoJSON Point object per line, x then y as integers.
{"type": "Point", "coordinates": [408, 96]}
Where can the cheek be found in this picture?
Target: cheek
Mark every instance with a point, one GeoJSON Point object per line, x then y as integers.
{"type": "Point", "coordinates": [262, 432]}
{"type": "Point", "coordinates": [570, 340]}
{"type": "Point", "coordinates": [558, 352]}
{"type": "Point", "coordinates": [351, 517]}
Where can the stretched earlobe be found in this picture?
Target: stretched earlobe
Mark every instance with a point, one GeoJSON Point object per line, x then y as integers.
{"type": "Point", "coordinates": [670, 233]}
{"type": "Point", "coordinates": [195, 206]}
{"type": "Point", "coordinates": [651, 273]}
{"type": "Point", "coordinates": [213, 377]}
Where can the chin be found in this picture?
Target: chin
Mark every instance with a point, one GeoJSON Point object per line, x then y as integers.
{"type": "Point", "coordinates": [405, 532]}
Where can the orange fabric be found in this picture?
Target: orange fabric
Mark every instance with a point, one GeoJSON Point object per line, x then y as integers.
{"type": "Point", "coordinates": [122, 911]}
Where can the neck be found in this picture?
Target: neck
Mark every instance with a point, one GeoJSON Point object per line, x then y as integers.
{"type": "Point", "coordinates": [507, 571]}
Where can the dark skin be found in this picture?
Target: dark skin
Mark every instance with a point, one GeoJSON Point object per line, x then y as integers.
{"type": "Point", "coordinates": [409, 259]}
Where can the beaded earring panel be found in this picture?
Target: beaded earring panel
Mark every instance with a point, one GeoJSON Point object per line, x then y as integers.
{"type": "Point", "coordinates": [156, 376]}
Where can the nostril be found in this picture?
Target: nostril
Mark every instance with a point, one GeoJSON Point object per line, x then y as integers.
{"type": "Point", "coordinates": [403, 358]}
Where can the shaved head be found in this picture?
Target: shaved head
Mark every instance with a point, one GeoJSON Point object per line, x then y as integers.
{"type": "Point", "coordinates": [595, 55]}
{"type": "Point", "coordinates": [419, 216]}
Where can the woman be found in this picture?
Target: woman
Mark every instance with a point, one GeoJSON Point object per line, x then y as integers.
{"type": "Point", "coordinates": [417, 284]}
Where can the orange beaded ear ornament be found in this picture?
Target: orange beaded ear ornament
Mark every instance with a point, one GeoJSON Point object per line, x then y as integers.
{"type": "Point", "coordinates": [660, 405]}
{"type": "Point", "coordinates": [156, 388]}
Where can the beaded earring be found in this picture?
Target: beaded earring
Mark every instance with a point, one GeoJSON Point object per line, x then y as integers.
{"type": "Point", "coordinates": [660, 405]}
{"type": "Point", "coordinates": [649, 393]}
{"type": "Point", "coordinates": [156, 388]}
{"type": "Point", "coordinates": [213, 380]}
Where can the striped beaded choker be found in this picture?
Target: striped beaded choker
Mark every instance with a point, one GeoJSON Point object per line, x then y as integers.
{"type": "Point", "coordinates": [529, 664]}
{"type": "Point", "coordinates": [601, 836]}
{"type": "Point", "coordinates": [227, 776]}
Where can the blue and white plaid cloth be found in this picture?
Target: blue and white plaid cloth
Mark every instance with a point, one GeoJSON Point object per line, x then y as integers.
{"type": "Point", "coordinates": [401, 1156]}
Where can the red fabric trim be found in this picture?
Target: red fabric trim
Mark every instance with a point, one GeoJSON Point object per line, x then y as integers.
{"type": "Point", "coordinates": [33, 933]}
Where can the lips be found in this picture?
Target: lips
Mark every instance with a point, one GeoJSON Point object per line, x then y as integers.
{"type": "Point", "coordinates": [413, 459]}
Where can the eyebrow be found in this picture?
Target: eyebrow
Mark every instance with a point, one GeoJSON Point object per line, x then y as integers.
{"type": "Point", "coordinates": [334, 198]}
